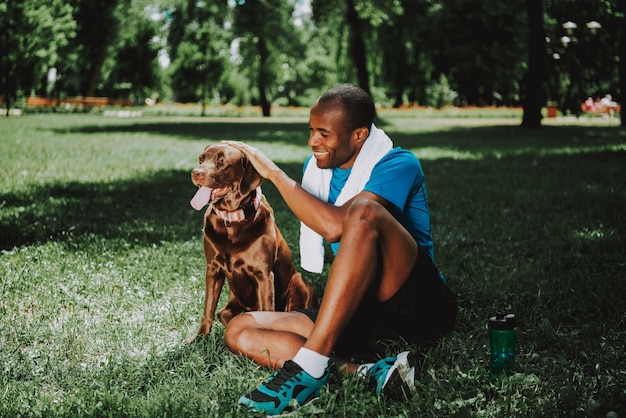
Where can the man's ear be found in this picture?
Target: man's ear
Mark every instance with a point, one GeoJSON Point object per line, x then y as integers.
{"type": "Point", "coordinates": [362, 134]}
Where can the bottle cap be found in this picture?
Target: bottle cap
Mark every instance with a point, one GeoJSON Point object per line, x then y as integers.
{"type": "Point", "coordinates": [503, 321]}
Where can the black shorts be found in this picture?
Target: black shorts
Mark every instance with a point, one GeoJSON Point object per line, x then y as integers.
{"type": "Point", "coordinates": [422, 311]}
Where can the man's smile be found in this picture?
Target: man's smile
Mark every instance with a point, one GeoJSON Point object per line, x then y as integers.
{"type": "Point", "coordinates": [320, 154]}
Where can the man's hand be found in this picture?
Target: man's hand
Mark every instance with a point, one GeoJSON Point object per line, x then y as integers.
{"type": "Point", "coordinates": [260, 161]}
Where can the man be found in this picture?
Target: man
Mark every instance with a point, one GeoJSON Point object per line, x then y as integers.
{"type": "Point", "coordinates": [359, 191]}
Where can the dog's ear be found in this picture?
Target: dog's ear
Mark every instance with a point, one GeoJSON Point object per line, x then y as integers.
{"type": "Point", "coordinates": [251, 178]}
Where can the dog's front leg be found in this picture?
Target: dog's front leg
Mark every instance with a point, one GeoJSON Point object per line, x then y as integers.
{"type": "Point", "coordinates": [213, 288]}
{"type": "Point", "coordinates": [266, 293]}
{"type": "Point", "coordinates": [214, 283]}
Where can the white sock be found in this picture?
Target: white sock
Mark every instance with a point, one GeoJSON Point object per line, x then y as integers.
{"type": "Point", "coordinates": [311, 362]}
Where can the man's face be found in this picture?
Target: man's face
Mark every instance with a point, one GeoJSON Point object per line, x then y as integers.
{"type": "Point", "coordinates": [332, 144]}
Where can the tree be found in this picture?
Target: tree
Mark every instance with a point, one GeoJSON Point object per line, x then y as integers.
{"type": "Point", "coordinates": [200, 46]}
{"type": "Point", "coordinates": [132, 69]}
{"type": "Point", "coordinates": [80, 70]}
{"type": "Point", "coordinates": [586, 63]}
{"type": "Point", "coordinates": [532, 101]}
{"type": "Point", "coordinates": [582, 60]}
{"type": "Point", "coordinates": [346, 12]}
{"type": "Point", "coordinates": [404, 40]}
{"type": "Point", "coordinates": [621, 7]}
{"type": "Point", "coordinates": [253, 51]}
{"type": "Point", "coordinates": [262, 27]}
{"type": "Point", "coordinates": [479, 47]}
{"type": "Point", "coordinates": [31, 38]}
{"type": "Point", "coordinates": [357, 45]}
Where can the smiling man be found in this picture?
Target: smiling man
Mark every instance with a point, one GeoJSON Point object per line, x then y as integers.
{"type": "Point", "coordinates": [369, 200]}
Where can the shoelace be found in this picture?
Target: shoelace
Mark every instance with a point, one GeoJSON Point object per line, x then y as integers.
{"type": "Point", "coordinates": [289, 371]}
{"type": "Point", "coordinates": [376, 374]}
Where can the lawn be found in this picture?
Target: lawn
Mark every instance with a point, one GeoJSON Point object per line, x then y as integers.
{"type": "Point", "coordinates": [102, 271]}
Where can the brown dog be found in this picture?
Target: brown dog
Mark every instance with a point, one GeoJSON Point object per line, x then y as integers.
{"type": "Point", "coordinates": [242, 242]}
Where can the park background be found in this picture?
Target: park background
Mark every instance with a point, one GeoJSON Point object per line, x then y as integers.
{"type": "Point", "coordinates": [267, 53]}
{"type": "Point", "coordinates": [101, 263]}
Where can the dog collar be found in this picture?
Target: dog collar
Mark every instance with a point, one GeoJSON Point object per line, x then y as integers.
{"type": "Point", "coordinates": [243, 212]}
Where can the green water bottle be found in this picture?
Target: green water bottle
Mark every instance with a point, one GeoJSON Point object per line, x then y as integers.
{"type": "Point", "coordinates": [502, 337]}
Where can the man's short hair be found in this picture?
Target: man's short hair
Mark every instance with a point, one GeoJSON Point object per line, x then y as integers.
{"type": "Point", "coordinates": [357, 104]}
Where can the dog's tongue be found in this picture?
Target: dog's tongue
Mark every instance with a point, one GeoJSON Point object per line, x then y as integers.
{"type": "Point", "coordinates": [201, 198]}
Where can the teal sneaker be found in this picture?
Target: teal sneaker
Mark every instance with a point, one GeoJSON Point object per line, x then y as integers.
{"type": "Point", "coordinates": [287, 389]}
{"type": "Point", "coordinates": [393, 377]}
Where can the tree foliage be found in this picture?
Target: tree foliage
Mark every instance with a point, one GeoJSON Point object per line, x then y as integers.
{"type": "Point", "coordinates": [266, 36]}
{"type": "Point", "coordinates": [132, 70]}
{"type": "Point", "coordinates": [588, 64]}
{"type": "Point", "coordinates": [79, 70]}
{"type": "Point", "coordinates": [200, 49]}
{"type": "Point", "coordinates": [31, 40]}
{"type": "Point", "coordinates": [406, 52]}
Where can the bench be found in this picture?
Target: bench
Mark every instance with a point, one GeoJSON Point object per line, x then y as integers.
{"type": "Point", "coordinates": [83, 102]}
{"type": "Point", "coordinates": [76, 102]}
{"type": "Point", "coordinates": [36, 101]}
{"type": "Point", "coordinates": [600, 109]}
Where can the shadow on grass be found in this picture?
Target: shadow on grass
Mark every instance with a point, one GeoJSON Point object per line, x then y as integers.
{"type": "Point", "coordinates": [200, 129]}
{"type": "Point", "coordinates": [154, 208]}
{"type": "Point", "coordinates": [478, 139]}
{"type": "Point", "coordinates": [525, 233]}
{"type": "Point", "coordinates": [494, 140]}
{"type": "Point", "coordinates": [142, 211]}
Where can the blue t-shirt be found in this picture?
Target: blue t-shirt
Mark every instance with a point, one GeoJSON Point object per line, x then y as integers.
{"type": "Point", "coordinates": [398, 178]}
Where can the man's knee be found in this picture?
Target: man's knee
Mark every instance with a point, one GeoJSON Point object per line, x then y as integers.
{"type": "Point", "coordinates": [365, 209]}
{"type": "Point", "coordinates": [365, 214]}
{"type": "Point", "coordinates": [235, 331]}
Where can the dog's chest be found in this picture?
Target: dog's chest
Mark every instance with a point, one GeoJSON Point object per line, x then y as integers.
{"type": "Point", "coordinates": [243, 250]}
{"type": "Point", "coordinates": [239, 237]}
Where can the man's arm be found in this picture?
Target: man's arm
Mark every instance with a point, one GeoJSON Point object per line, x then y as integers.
{"type": "Point", "coordinates": [322, 217]}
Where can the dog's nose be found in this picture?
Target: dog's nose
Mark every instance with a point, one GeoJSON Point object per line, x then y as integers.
{"type": "Point", "coordinates": [197, 173]}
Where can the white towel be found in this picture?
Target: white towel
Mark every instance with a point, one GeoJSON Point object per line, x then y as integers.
{"type": "Point", "coordinates": [317, 182]}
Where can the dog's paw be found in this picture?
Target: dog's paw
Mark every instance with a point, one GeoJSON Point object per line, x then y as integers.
{"type": "Point", "coordinates": [196, 338]}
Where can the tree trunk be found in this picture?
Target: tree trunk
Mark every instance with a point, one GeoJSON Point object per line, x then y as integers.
{"type": "Point", "coordinates": [263, 54]}
{"type": "Point", "coordinates": [8, 87]}
{"type": "Point", "coordinates": [533, 99]}
{"type": "Point", "coordinates": [94, 71]}
{"type": "Point", "coordinates": [357, 46]}
{"type": "Point", "coordinates": [97, 29]}
{"type": "Point", "coordinates": [622, 59]}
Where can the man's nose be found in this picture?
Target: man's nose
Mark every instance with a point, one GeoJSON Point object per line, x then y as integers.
{"type": "Point", "coordinates": [313, 139]}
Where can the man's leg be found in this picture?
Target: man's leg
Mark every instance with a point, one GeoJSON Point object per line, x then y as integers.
{"type": "Point", "coordinates": [371, 235]}
{"type": "Point", "coordinates": [268, 338]}
{"type": "Point", "coordinates": [372, 240]}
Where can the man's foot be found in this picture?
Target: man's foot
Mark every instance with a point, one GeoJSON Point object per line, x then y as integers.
{"type": "Point", "coordinates": [393, 377]}
{"type": "Point", "coordinates": [287, 389]}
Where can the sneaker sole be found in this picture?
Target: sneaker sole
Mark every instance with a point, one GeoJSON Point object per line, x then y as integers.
{"type": "Point", "coordinates": [401, 382]}
{"type": "Point", "coordinates": [295, 408]}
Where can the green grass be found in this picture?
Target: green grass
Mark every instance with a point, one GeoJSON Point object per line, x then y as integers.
{"type": "Point", "coordinates": [101, 266]}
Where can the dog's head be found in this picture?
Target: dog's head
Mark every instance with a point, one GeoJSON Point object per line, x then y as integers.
{"type": "Point", "coordinates": [226, 171]}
